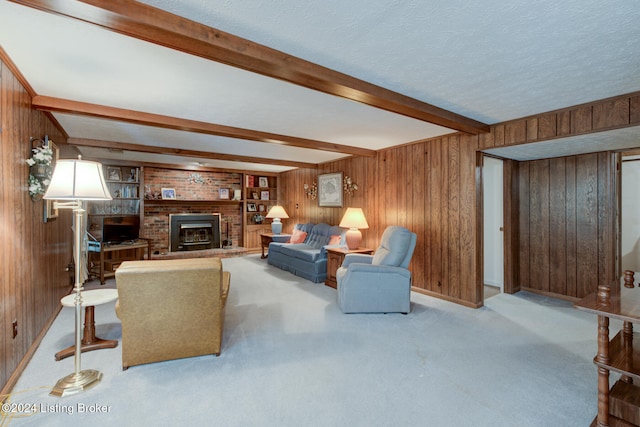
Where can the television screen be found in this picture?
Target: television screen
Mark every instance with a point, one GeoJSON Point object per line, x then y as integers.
{"type": "Point", "coordinates": [118, 229]}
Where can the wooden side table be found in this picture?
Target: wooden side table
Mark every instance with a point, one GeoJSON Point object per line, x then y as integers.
{"type": "Point", "coordinates": [266, 238]}
{"type": "Point", "coordinates": [335, 256]}
{"type": "Point", "coordinates": [89, 340]}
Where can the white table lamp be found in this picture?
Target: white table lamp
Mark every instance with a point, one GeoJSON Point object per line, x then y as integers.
{"type": "Point", "coordinates": [77, 181]}
{"type": "Point", "coordinates": [277, 212]}
{"type": "Point", "coordinates": [354, 220]}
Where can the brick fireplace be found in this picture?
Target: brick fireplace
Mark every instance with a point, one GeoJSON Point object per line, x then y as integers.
{"type": "Point", "coordinates": [156, 223]}
{"type": "Point", "coordinates": [195, 198]}
{"type": "Point", "coordinates": [194, 232]}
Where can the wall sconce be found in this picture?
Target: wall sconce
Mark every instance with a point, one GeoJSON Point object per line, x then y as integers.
{"type": "Point", "coordinates": [41, 165]}
{"type": "Point", "coordinates": [311, 190]}
{"type": "Point", "coordinates": [349, 186]}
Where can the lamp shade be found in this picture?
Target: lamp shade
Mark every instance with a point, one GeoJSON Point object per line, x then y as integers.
{"type": "Point", "coordinates": [77, 179]}
{"type": "Point", "coordinates": [354, 218]}
{"type": "Point", "coordinates": [277, 212]}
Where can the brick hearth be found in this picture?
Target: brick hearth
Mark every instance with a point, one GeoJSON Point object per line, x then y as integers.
{"type": "Point", "coordinates": [206, 253]}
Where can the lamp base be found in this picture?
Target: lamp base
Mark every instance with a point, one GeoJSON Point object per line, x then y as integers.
{"type": "Point", "coordinates": [276, 227]}
{"type": "Point", "coordinates": [353, 238]}
{"type": "Point", "coordinates": [76, 383]}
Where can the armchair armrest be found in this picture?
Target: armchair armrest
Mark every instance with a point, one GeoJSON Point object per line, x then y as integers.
{"type": "Point", "coordinates": [356, 258]}
{"type": "Point", "coordinates": [377, 269]}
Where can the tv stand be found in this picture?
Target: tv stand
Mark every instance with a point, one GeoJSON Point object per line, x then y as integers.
{"type": "Point", "coordinates": [111, 256]}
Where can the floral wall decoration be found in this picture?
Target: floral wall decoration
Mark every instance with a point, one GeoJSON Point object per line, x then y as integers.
{"type": "Point", "coordinates": [311, 190]}
{"type": "Point", "coordinates": [349, 186]}
{"type": "Point", "coordinates": [41, 166]}
{"type": "Point", "coordinates": [196, 178]}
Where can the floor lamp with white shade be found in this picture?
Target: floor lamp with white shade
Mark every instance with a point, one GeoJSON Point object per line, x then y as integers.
{"type": "Point", "coordinates": [76, 181]}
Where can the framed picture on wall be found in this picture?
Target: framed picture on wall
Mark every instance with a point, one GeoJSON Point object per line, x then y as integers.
{"type": "Point", "coordinates": [168, 193]}
{"type": "Point", "coordinates": [224, 193]}
{"type": "Point", "coordinates": [263, 181]}
{"type": "Point", "coordinates": [330, 189]}
{"type": "Point", "coordinates": [264, 195]}
{"type": "Point", "coordinates": [114, 173]}
{"type": "Point", "coordinates": [251, 207]}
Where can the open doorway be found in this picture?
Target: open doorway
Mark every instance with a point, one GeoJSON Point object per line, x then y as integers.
{"type": "Point", "coordinates": [630, 220]}
{"type": "Point", "coordinates": [493, 235]}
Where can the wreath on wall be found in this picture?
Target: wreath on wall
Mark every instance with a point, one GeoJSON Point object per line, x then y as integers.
{"type": "Point", "coordinates": [40, 170]}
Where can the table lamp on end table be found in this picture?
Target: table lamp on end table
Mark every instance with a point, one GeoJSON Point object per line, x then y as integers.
{"type": "Point", "coordinates": [354, 220]}
{"type": "Point", "coordinates": [276, 213]}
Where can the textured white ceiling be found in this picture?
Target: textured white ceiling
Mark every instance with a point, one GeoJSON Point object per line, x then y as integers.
{"type": "Point", "coordinates": [492, 61]}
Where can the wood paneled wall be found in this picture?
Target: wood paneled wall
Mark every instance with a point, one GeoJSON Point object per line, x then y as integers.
{"type": "Point", "coordinates": [567, 223]}
{"type": "Point", "coordinates": [434, 188]}
{"type": "Point", "coordinates": [431, 187]}
{"type": "Point", "coordinates": [33, 254]}
{"type": "Point", "coordinates": [611, 113]}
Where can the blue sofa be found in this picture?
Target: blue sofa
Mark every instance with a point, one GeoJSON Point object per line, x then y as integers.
{"type": "Point", "coordinates": [307, 259]}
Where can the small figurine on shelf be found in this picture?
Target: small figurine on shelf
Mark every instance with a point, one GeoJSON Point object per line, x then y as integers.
{"type": "Point", "coordinates": [150, 195]}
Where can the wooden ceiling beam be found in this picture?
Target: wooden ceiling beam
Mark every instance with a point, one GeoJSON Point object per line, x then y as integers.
{"type": "Point", "coordinates": [166, 29]}
{"type": "Point", "coordinates": [83, 142]}
{"type": "Point", "coordinates": [48, 103]}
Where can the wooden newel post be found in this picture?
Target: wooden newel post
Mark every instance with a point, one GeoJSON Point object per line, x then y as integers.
{"type": "Point", "coordinates": [628, 279]}
{"type": "Point", "coordinates": [604, 294]}
{"type": "Point", "coordinates": [603, 374]}
{"type": "Point", "coordinates": [604, 298]}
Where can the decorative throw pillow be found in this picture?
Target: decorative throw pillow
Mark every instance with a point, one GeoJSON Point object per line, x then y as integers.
{"type": "Point", "coordinates": [298, 236]}
{"type": "Point", "coordinates": [334, 240]}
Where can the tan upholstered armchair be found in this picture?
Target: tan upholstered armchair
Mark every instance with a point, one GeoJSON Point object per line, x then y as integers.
{"type": "Point", "coordinates": [170, 309]}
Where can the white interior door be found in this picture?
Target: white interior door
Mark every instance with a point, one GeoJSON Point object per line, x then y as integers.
{"type": "Point", "coordinates": [630, 217]}
{"type": "Point", "coordinates": [493, 222]}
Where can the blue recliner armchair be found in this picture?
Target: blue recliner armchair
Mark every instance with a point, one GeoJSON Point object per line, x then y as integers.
{"type": "Point", "coordinates": [379, 283]}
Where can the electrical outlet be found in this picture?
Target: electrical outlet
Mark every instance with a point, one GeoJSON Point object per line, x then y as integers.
{"type": "Point", "coordinates": [15, 329]}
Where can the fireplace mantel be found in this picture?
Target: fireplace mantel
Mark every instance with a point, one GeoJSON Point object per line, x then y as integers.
{"type": "Point", "coordinates": [173, 202]}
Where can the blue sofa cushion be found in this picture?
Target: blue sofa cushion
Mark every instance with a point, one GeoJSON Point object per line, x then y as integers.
{"type": "Point", "coordinates": [305, 227]}
{"type": "Point", "coordinates": [301, 251]}
{"type": "Point", "coordinates": [320, 235]}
